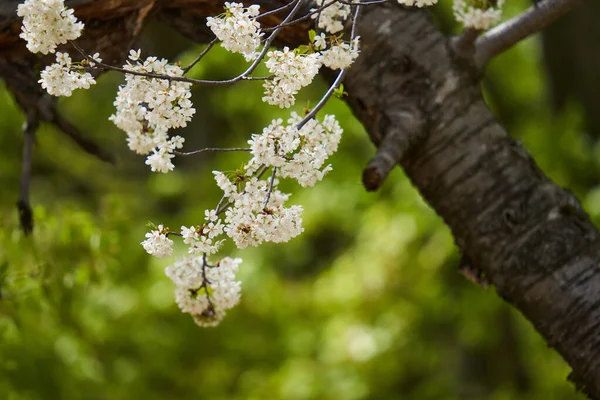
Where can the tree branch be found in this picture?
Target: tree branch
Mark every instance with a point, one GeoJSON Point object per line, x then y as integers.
{"type": "Point", "coordinates": [404, 132]}
{"type": "Point", "coordinates": [511, 32]}
{"type": "Point", "coordinates": [88, 145]}
{"type": "Point", "coordinates": [530, 237]}
{"type": "Point", "coordinates": [23, 205]}
{"type": "Point", "coordinates": [464, 44]}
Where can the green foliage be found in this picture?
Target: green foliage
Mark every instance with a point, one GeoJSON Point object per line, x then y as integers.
{"type": "Point", "coordinates": [367, 304]}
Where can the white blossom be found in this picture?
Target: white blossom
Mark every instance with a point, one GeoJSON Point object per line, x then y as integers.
{"type": "Point", "coordinates": [320, 41]}
{"type": "Point", "coordinates": [251, 220]}
{"type": "Point", "coordinates": [204, 291]}
{"type": "Point", "coordinates": [157, 243]}
{"type": "Point", "coordinates": [341, 55]}
{"type": "Point", "coordinates": [475, 17]}
{"type": "Point", "coordinates": [292, 72]}
{"type": "Point", "coordinates": [417, 3]}
{"type": "Point", "coordinates": [332, 18]}
{"type": "Point", "coordinates": [238, 30]}
{"type": "Point", "coordinates": [160, 161]}
{"type": "Point", "coordinates": [298, 154]}
{"type": "Point", "coordinates": [46, 24]}
{"type": "Point", "coordinates": [147, 108]}
{"type": "Point", "coordinates": [61, 78]}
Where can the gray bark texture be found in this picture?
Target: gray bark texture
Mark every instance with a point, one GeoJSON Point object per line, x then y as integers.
{"type": "Point", "coordinates": [422, 106]}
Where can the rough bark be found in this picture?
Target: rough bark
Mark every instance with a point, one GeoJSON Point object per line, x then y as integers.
{"type": "Point", "coordinates": [531, 238]}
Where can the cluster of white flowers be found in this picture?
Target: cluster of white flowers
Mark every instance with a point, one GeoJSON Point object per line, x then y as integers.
{"type": "Point", "coordinates": [254, 213]}
{"type": "Point", "coordinates": [157, 243]}
{"type": "Point", "coordinates": [46, 24]}
{"type": "Point", "coordinates": [332, 17]}
{"type": "Point", "coordinates": [202, 238]}
{"type": "Point", "coordinates": [417, 3]}
{"type": "Point", "coordinates": [341, 54]}
{"type": "Point", "coordinates": [478, 17]}
{"type": "Point", "coordinates": [292, 72]}
{"type": "Point", "coordinates": [298, 154]}
{"type": "Point", "coordinates": [204, 291]}
{"type": "Point", "coordinates": [148, 107]}
{"type": "Point", "coordinates": [60, 78]}
{"type": "Point", "coordinates": [251, 220]}
{"type": "Point", "coordinates": [238, 30]}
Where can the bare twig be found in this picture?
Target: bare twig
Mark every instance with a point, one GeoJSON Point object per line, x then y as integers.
{"type": "Point", "coordinates": [270, 190]}
{"type": "Point", "coordinates": [85, 143]}
{"type": "Point", "coordinates": [516, 29]}
{"type": "Point", "coordinates": [201, 55]}
{"type": "Point", "coordinates": [23, 205]}
{"type": "Point", "coordinates": [276, 10]}
{"type": "Point", "coordinates": [304, 17]}
{"type": "Point", "coordinates": [211, 149]}
{"type": "Point", "coordinates": [336, 82]}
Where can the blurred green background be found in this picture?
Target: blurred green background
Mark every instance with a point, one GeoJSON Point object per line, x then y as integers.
{"type": "Point", "coordinates": [367, 304]}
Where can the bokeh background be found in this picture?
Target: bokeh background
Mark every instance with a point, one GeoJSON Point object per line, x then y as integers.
{"type": "Point", "coordinates": [366, 304]}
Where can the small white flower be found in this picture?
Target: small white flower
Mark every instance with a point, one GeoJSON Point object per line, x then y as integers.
{"type": "Point", "coordinates": [332, 18]}
{"type": "Point", "coordinates": [160, 161]}
{"type": "Point", "coordinates": [321, 41]}
{"type": "Point", "coordinates": [341, 55]}
{"type": "Point", "coordinates": [292, 72]}
{"type": "Point", "coordinates": [417, 3]}
{"type": "Point", "coordinates": [238, 30]}
{"type": "Point", "coordinates": [135, 55]}
{"type": "Point", "coordinates": [205, 292]}
{"type": "Point", "coordinates": [477, 18]}
{"type": "Point", "coordinates": [157, 243]}
{"type": "Point", "coordinates": [60, 80]}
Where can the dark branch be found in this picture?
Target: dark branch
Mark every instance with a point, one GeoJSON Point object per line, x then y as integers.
{"type": "Point", "coordinates": [23, 205]}
{"type": "Point", "coordinates": [406, 129]}
{"type": "Point", "coordinates": [464, 44]}
{"type": "Point", "coordinates": [79, 138]}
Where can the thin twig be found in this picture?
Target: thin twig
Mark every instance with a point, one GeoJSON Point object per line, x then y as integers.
{"type": "Point", "coordinates": [212, 149]}
{"type": "Point", "coordinates": [304, 17]}
{"type": "Point", "coordinates": [23, 205]}
{"type": "Point", "coordinates": [210, 310]}
{"type": "Point", "coordinates": [276, 10]}
{"type": "Point", "coordinates": [335, 83]}
{"type": "Point", "coordinates": [509, 33]}
{"type": "Point", "coordinates": [362, 3]}
{"type": "Point", "coordinates": [220, 203]}
{"type": "Point", "coordinates": [270, 190]}
{"type": "Point", "coordinates": [201, 55]}
{"type": "Point", "coordinates": [85, 143]}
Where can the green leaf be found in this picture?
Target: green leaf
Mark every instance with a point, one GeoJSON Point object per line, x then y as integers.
{"type": "Point", "coordinates": [339, 92]}
{"type": "Point", "coordinates": [302, 49]}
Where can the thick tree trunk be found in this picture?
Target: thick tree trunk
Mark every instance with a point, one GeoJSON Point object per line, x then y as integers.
{"type": "Point", "coordinates": [530, 237]}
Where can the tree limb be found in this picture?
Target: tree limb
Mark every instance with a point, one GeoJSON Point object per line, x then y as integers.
{"type": "Point", "coordinates": [530, 237]}
{"type": "Point", "coordinates": [23, 205]}
{"type": "Point", "coordinates": [511, 32]}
